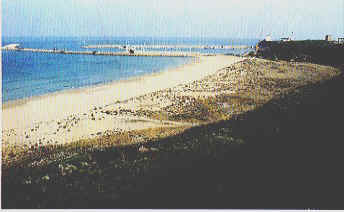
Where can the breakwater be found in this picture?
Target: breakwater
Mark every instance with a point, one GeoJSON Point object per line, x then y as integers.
{"type": "Point", "coordinates": [118, 46]}
{"type": "Point", "coordinates": [124, 53]}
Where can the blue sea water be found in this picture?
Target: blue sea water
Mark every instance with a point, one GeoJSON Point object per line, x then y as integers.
{"type": "Point", "coordinates": [27, 74]}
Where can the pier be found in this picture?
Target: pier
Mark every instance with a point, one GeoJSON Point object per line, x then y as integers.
{"type": "Point", "coordinates": [131, 50]}
{"type": "Point", "coordinates": [118, 46]}
{"type": "Point", "coordinates": [124, 53]}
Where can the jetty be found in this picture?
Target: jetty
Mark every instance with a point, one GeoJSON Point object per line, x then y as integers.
{"type": "Point", "coordinates": [118, 46]}
{"type": "Point", "coordinates": [128, 50]}
{"type": "Point", "coordinates": [124, 53]}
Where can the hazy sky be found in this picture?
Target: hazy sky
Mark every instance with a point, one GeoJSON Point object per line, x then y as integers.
{"type": "Point", "coordinates": [187, 18]}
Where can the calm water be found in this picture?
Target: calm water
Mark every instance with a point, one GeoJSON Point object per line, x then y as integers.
{"type": "Point", "coordinates": [26, 74]}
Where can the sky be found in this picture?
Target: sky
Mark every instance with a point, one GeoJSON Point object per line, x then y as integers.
{"type": "Point", "coordinates": [302, 19]}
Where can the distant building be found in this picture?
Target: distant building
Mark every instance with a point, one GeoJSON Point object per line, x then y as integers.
{"type": "Point", "coordinates": [286, 39]}
{"type": "Point", "coordinates": [328, 38]}
{"type": "Point", "coordinates": [268, 38]}
{"type": "Point", "coordinates": [341, 40]}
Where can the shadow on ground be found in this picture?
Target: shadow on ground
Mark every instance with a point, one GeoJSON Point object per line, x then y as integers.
{"type": "Point", "coordinates": [292, 158]}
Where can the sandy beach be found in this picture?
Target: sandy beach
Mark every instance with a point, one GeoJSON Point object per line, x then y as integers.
{"type": "Point", "coordinates": [81, 113]}
{"type": "Point", "coordinates": [119, 144]}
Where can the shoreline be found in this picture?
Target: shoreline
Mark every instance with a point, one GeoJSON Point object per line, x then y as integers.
{"type": "Point", "coordinates": [27, 121]}
{"type": "Point", "coordinates": [22, 101]}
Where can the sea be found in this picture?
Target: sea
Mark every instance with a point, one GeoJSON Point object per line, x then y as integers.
{"type": "Point", "coordinates": [28, 74]}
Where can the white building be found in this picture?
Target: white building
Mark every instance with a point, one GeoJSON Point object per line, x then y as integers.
{"type": "Point", "coordinates": [268, 38]}
{"type": "Point", "coordinates": [328, 38]}
{"type": "Point", "coordinates": [286, 39]}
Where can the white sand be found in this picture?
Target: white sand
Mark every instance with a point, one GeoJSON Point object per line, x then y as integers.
{"type": "Point", "coordinates": [42, 113]}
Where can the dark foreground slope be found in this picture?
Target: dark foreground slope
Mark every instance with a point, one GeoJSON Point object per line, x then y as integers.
{"type": "Point", "coordinates": [292, 159]}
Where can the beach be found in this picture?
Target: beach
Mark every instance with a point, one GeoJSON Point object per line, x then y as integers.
{"type": "Point", "coordinates": [126, 149]}
{"type": "Point", "coordinates": [67, 116]}
{"type": "Point", "coordinates": [208, 89]}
